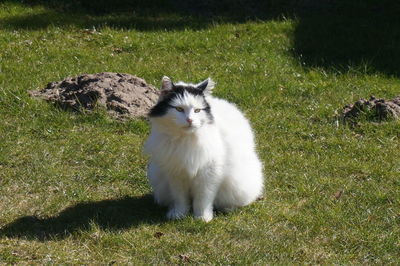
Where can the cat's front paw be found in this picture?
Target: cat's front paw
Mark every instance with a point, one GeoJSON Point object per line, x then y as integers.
{"type": "Point", "coordinates": [177, 213]}
{"type": "Point", "coordinates": [205, 216]}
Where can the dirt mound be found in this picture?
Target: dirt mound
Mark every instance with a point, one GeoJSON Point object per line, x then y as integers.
{"type": "Point", "coordinates": [372, 109]}
{"type": "Point", "coordinates": [123, 95]}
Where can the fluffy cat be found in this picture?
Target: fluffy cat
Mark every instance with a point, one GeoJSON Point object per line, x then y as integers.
{"type": "Point", "coordinates": [202, 152]}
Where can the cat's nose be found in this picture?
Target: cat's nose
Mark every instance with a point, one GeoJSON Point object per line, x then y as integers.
{"type": "Point", "coordinates": [189, 121]}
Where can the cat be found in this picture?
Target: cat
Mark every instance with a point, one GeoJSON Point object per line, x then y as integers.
{"type": "Point", "coordinates": [202, 152]}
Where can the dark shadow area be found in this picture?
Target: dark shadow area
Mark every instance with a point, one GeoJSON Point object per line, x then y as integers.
{"type": "Point", "coordinates": [151, 15]}
{"type": "Point", "coordinates": [332, 34]}
{"type": "Point", "coordinates": [113, 214]}
{"type": "Point", "coordinates": [363, 35]}
{"type": "Point", "coordinates": [181, 7]}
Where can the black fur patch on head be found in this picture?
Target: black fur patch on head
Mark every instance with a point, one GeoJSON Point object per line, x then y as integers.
{"type": "Point", "coordinates": [162, 107]}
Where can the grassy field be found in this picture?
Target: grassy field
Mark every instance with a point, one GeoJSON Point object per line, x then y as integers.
{"type": "Point", "coordinates": [73, 186]}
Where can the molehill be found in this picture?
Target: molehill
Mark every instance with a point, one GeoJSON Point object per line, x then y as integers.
{"type": "Point", "coordinates": [372, 109]}
{"type": "Point", "coordinates": [123, 95]}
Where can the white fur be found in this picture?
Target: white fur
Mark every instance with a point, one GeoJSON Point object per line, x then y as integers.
{"type": "Point", "coordinates": [203, 165]}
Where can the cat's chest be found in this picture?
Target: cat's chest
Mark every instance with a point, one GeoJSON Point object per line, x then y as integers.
{"type": "Point", "coordinates": [188, 151]}
{"type": "Point", "coordinates": [190, 155]}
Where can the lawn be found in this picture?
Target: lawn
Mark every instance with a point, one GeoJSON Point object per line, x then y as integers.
{"type": "Point", "coordinates": [73, 186]}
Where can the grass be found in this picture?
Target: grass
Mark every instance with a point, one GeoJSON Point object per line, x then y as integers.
{"type": "Point", "coordinates": [73, 188]}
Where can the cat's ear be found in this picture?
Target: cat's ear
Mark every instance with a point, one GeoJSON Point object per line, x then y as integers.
{"type": "Point", "coordinates": [166, 87]}
{"type": "Point", "coordinates": [206, 86]}
{"type": "Point", "coordinates": [166, 84]}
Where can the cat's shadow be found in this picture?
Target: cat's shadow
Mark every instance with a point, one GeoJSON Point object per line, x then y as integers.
{"type": "Point", "coordinates": [110, 214]}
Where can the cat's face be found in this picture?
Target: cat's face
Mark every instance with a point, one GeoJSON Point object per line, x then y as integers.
{"type": "Point", "coordinates": [183, 107]}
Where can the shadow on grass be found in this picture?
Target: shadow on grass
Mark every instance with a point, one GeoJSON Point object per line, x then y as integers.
{"type": "Point", "coordinates": [331, 34]}
{"type": "Point", "coordinates": [150, 15]}
{"type": "Point", "coordinates": [359, 35]}
{"type": "Point", "coordinates": [113, 214]}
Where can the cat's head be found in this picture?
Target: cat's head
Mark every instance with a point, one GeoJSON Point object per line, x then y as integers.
{"type": "Point", "coordinates": [183, 107]}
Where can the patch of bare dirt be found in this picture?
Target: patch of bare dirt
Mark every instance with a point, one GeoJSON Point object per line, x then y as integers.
{"type": "Point", "coordinates": [123, 95]}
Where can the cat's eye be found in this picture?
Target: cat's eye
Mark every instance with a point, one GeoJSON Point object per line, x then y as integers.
{"type": "Point", "coordinates": [179, 109]}
{"type": "Point", "coordinates": [197, 110]}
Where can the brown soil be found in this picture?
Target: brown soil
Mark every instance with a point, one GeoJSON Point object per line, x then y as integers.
{"type": "Point", "coordinates": [123, 95]}
{"type": "Point", "coordinates": [375, 109]}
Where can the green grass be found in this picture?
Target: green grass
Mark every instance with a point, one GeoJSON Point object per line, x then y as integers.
{"type": "Point", "coordinates": [73, 187]}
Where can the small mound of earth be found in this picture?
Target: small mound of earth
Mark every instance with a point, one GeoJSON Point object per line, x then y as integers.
{"type": "Point", "coordinates": [123, 95]}
{"type": "Point", "coordinates": [373, 109]}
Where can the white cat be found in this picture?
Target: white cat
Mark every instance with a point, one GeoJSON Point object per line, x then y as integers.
{"type": "Point", "coordinates": [202, 152]}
